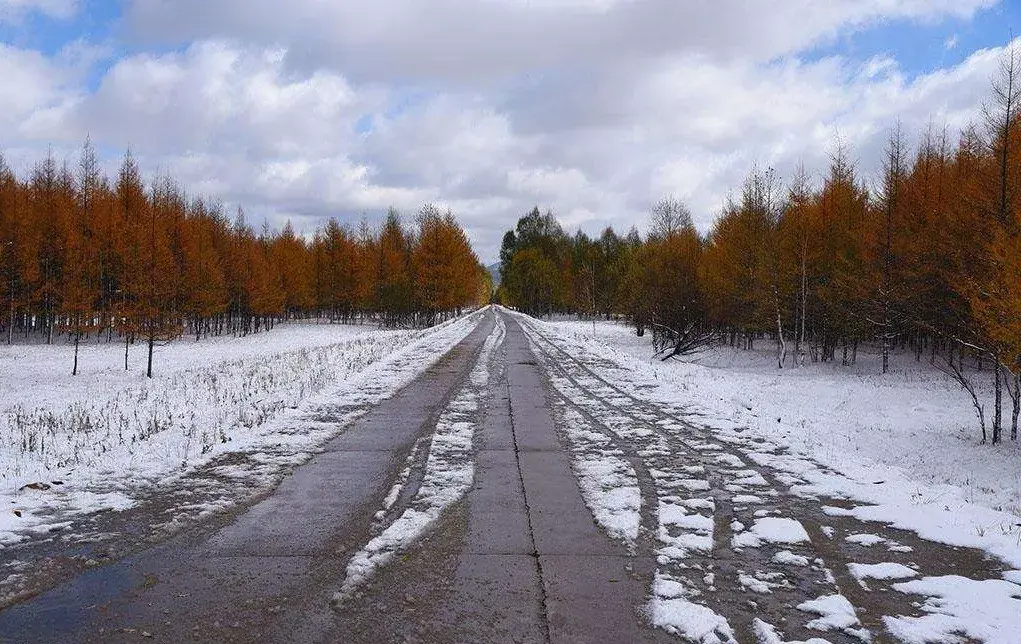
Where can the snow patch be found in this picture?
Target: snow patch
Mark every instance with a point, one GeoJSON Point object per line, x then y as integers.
{"type": "Point", "coordinates": [835, 614]}
{"type": "Point", "coordinates": [886, 570]}
{"type": "Point", "coordinates": [671, 611]}
{"type": "Point", "coordinates": [987, 611]}
{"type": "Point", "coordinates": [771, 530]}
{"type": "Point", "coordinates": [786, 557]}
{"type": "Point", "coordinates": [766, 634]}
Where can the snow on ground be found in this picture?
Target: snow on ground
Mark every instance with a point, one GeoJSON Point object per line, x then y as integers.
{"type": "Point", "coordinates": [985, 611]}
{"type": "Point", "coordinates": [608, 483]}
{"type": "Point", "coordinates": [914, 420]}
{"type": "Point", "coordinates": [885, 570]}
{"type": "Point", "coordinates": [899, 450]}
{"type": "Point", "coordinates": [906, 442]}
{"type": "Point", "coordinates": [449, 472]}
{"type": "Point", "coordinates": [767, 635]}
{"type": "Point", "coordinates": [835, 613]}
{"type": "Point", "coordinates": [70, 445]}
{"type": "Point", "coordinates": [694, 622]}
{"type": "Point", "coordinates": [39, 375]}
{"type": "Point", "coordinates": [786, 557]}
{"type": "Point", "coordinates": [771, 530]}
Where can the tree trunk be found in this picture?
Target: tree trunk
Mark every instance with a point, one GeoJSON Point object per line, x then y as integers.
{"type": "Point", "coordinates": [998, 402]}
{"type": "Point", "coordinates": [152, 341]}
{"type": "Point", "coordinates": [804, 296]}
{"type": "Point", "coordinates": [781, 344]}
{"type": "Point", "coordinates": [886, 353]}
{"type": "Point", "coordinates": [77, 338]}
{"type": "Point", "coordinates": [1015, 407]}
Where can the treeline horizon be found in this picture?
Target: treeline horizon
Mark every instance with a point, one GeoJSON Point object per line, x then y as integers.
{"type": "Point", "coordinates": [928, 258]}
{"type": "Point", "coordinates": [82, 256]}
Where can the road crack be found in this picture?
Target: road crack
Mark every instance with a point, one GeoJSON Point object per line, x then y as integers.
{"type": "Point", "coordinates": [543, 599]}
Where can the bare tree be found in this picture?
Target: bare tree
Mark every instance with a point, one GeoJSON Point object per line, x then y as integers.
{"type": "Point", "coordinates": [774, 205]}
{"type": "Point", "coordinates": [670, 216]}
{"type": "Point", "coordinates": [763, 199]}
{"type": "Point", "coordinates": [955, 369]}
{"type": "Point", "coordinates": [999, 117]}
{"type": "Point", "coordinates": [688, 341]}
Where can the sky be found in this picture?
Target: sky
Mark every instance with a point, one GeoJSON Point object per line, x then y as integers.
{"type": "Point", "coordinates": [596, 109]}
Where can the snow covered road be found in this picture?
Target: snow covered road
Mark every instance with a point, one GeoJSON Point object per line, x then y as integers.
{"type": "Point", "coordinates": [530, 488]}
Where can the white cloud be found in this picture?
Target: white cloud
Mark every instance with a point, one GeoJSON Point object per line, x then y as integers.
{"type": "Point", "coordinates": [32, 83]}
{"type": "Point", "coordinates": [219, 96]}
{"type": "Point", "coordinates": [295, 124]}
{"type": "Point", "coordinates": [463, 41]}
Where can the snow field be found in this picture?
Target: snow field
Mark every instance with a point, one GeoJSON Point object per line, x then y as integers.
{"type": "Point", "coordinates": [94, 449]}
{"type": "Point", "coordinates": [448, 475]}
{"type": "Point", "coordinates": [945, 502]}
{"type": "Point", "coordinates": [914, 421]}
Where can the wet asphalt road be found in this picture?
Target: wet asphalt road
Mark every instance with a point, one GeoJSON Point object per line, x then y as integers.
{"type": "Point", "coordinates": [518, 559]}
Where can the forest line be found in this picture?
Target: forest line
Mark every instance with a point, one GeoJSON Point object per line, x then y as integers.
{"type": "Point", "coordinates": [929, 257]}
{"type": "Point", "coordinates": [83, 257]}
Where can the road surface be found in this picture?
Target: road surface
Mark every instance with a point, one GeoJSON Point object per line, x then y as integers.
{"type": "Point", "coordinates": [515, 492]}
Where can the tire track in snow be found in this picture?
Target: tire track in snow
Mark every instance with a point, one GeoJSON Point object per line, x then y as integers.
{"type": "Point", "coordinates": [730, 474]}
{"type": "Point", "coordinates": [961, 591]}
{"type": "Point", "coordinates": [604, 466]}
{"type": "Point", "coordinates": [682, 532]}
{"type": "Point", "coordinates": [447, 474]}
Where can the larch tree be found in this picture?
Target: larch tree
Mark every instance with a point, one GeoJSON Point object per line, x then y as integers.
{"type": "Point", "coordinates": [80, 275]}
{"type": "Point", "coordinates": [156, 304]}
{"type": "Point", "coordinates": [885, 237]}
{"type": "Point", "coordinates": [12, 243]}
{"type": "Point", "coordinates": [793, 231]}
{"type": "Point", "coordinates": [1001, 118]}
{"type": "Point", "coordinates": [49, 208]}
{"type": "Point", "coordinates": [295, 270]}
{"type": "Point", "coordinates": [433, 263]}
{"type": "Point", "coordinates": [394, 283]}
{"type": "Point", "coordinates": [204, 291]}
{"type": "Point", "coordinates": [671, 260]}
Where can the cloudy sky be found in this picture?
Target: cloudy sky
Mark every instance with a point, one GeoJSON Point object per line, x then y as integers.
{"type": "Point", "coordinates": [596, 108]}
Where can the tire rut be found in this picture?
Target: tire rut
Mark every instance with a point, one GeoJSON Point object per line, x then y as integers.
{"type": "Point", "coordinates": [418, 455]}
{"type": "Point", "coordinates": [732, 472]}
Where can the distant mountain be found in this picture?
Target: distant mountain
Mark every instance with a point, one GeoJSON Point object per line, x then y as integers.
{"type": "Point", "coordinates": [494, 270]}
